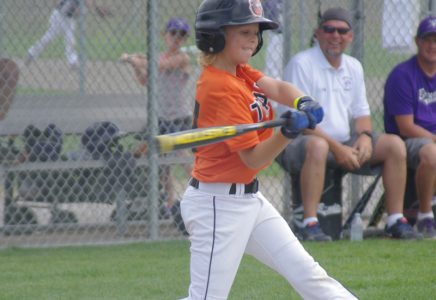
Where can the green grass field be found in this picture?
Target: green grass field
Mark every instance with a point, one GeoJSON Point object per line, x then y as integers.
{"type": "Point", "coordinates": [373, 269]}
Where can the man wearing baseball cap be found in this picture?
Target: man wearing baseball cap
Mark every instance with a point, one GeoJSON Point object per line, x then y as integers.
{"type": "Point", "coordinates": [410, 111]}
{"type": "Point", "coordinates": [336, 80]}
{"type": "Point", "coordinates": [178, 24]}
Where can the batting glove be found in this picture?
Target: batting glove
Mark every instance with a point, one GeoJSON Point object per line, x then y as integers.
{"type": "Point", "coordinates": [307, 104]}
{"type": "Point", "coordinates": [296, 122]}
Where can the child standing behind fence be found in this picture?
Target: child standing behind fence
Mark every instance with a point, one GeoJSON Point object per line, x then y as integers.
{"type": "Point", "coordinates": [175, 108]}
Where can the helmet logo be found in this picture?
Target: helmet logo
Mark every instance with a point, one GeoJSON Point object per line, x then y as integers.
{"type": "Point", "coordinates": [256, 7]}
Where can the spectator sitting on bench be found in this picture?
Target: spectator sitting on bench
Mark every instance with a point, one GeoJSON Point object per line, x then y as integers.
{"type": "Point", "coordinates": [410, 111]}
{"type": "Point", "coordinates": [336, 80]}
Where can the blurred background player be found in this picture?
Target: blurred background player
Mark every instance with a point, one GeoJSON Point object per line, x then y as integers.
{"type": "Point", "coordinates": [224, 213]}
{"type": "Point", "coordinates": [63, 22]}
{"type": "Point", "coordinates": [410, 112]}
{"type": "Point", "coordinates": [175, 108]}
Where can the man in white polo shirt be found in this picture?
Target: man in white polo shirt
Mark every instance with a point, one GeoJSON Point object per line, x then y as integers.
{"type": "Point", "coordinates": [336, 80]}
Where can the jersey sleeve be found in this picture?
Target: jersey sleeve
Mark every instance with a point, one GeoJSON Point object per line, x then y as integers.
{"type": "Point", "coordinates": [250, 74]}
{"type": "Point", "coordinates": [398, 94]}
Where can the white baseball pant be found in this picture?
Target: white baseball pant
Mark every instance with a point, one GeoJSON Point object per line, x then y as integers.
{"type": "Point", "coordinates": [223, 227]}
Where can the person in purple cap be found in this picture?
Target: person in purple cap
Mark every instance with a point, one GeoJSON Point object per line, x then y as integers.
{"type": "Point", "coordinates": [344, 139]}
{"type": "Point", "coordinates": [410, 111]}
{"type": "Point", "coordinates": [175, 108]}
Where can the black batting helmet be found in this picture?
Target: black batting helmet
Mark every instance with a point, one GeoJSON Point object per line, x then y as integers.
{"type": "Point", "coordinates": [213, 15]}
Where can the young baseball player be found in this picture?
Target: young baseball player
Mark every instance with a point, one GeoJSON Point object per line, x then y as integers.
{"type": "Point", "coordinates": [224, 213]}
{"type": "Point", "coordinates": [175, 109]}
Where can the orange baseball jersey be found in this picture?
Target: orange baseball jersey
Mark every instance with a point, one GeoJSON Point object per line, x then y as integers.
{"type": "Point", "coordinates": [225, 99]}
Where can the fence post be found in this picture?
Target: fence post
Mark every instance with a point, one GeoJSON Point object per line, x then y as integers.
{"type": "Point", "coordinates": [153, 177]}
{"type": "Point", "coordinates": [358, 28]}
{"type": "Point", "coordinates": [2, 16]}
{"type": "Point", "coordinates": [357, 51]}
{"type": "Point", "coordinates": [81, 54]}
{"type": "Point", "coordinates": [432, 7]}
{"type": "Point", "coordinates": [303, 25]}
{"type": "Point", "coordinates": [287, 28]}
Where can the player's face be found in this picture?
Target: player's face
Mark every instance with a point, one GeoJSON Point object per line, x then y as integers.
{"type": "Point", "coordinates": [241, 42]}
{"type": "Point", "coordinates": [334, 37]}
{"type": "Point", "coordinates": [427, 49]}
{"type": "Point", "coordinates": [175, 39]}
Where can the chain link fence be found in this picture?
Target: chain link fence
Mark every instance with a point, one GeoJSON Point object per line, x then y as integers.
{"type": "Point", "coordinates": [74, 162]}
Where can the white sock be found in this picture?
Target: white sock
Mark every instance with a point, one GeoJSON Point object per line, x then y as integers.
{"type": "Point", "coordinates": [426, 215]}
{"type": "Point", "coordinates": [392, 219]}
{"type": "Point", "coordinates": [309, 220]}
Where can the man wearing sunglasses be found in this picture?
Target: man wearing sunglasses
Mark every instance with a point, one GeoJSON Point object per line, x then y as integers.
{"type": "Point", "coordinates": [336, 80]}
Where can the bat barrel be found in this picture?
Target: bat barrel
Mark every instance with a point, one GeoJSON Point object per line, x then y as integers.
{"type": "Point", "coordinates": [205, 136]}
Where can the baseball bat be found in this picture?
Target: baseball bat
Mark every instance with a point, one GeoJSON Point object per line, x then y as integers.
{"type": "Point", "coordinates": [208, 135]}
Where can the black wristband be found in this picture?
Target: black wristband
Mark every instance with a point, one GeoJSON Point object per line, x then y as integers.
{"type": "Point", "coordinates": [367, 133]}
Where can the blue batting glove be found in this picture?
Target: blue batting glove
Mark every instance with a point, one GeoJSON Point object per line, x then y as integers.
{"type": "Point", "coordinates": [307, 104]}
{"type": "Point", "coordinates": [296, 122]}
{"type": "Point", "coordinates": [312, 120]}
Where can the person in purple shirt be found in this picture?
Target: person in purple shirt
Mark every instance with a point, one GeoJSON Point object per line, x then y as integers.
{"type": "Point", "coordinates": [410, 111]}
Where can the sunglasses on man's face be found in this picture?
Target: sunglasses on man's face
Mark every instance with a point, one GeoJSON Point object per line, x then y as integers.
{"type": "Point", "coordinates": [332, 29]}
{"type": "Point", "coordinates": [180, 33]}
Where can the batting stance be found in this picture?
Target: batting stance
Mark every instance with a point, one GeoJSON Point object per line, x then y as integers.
{"type": "Point", "coordinates": [225, 214]}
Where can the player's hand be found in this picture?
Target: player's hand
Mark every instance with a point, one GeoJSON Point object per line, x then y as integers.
{"type": "Point", "coordinates": [347, 157]}
{"type": "Point", "coordinates": [363, 146]}
{"type": "Point", "coordinates": [309, 105]}
{"type": "Point", "coordinates": [296, 122]}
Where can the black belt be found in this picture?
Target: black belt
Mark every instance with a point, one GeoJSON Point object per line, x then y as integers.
{"type": "Point", "coordinates": [249, 188]}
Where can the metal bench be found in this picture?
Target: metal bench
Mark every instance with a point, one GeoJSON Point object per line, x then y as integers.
{"type": "Point", "coordinates": [61, 178]}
